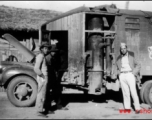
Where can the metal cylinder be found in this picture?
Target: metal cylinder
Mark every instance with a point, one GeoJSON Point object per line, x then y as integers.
{"type": "Point", "coordinates": [96, 74]}
{"type": "Point", "coordinates": [94, 39]}
{"type": "Point", "coordinates": [95, 23]}
{"type": "Point", "coordinates": [108, 59]}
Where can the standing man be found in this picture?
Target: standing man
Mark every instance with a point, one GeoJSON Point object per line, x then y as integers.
{"type": "Point", "coordinates": [52, 70]}
{"type": "Point", "coordinates": [41, 69]}
{"type": "Point", "coordinates": [127, 69]}
{"type": "Point", "coordinates": [57, 63]}
{"type": "Point", "coordinates": [60, 70]}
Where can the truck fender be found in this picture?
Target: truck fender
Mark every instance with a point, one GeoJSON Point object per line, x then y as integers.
{"type": "Point", "coordinates": [15, 71]}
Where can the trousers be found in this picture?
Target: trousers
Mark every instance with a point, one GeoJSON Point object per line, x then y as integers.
{"type": "Point", "coordinates": [42, 93]}
{"type": "Point", "coordinates": [128, 85]}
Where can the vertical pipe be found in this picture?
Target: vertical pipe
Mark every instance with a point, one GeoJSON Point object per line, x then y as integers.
{"type": "Point", "coordinates": [101, 47]}
{"type": "Point", "coordinates": [96, 74]}
{"type": "Point", "coordinates": [108, 59]}
{"type": "Point", "coordinates": [40, 35]}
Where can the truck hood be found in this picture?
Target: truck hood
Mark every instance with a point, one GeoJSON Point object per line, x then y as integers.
{"type": "Point", "coordinates": [29, 55]}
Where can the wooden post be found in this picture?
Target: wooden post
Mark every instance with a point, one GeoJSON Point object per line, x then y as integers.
{"type": "Point", "coordinates": [40, 36]}
{"type": "Point", "coordinates": [28, 43]}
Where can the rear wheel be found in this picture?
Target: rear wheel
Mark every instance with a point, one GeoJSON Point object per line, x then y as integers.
{"type": "Point", "coordinates": [148, 94]}
{"type": "Point", "coordinates": [22, 91]}
{"type": "Point", "coordinates": [143, 89]}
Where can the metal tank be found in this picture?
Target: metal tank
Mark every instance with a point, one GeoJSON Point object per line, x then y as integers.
{"type": "Point", "coordinates": [95, 40]}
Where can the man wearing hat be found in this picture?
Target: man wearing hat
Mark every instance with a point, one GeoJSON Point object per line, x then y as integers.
{"type": "Point", "coordinates": [41, 69]}
{"type": "Point", "coordinates": [127, 69]}
{"type": "Point", "coordinates": [56, 62]}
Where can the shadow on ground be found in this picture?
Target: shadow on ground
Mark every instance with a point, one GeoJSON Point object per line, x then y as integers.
{"type": "Point", "coordinates": [84, 98]}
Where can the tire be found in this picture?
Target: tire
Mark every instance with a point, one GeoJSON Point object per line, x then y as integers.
{"type": "Point", "coordinates": [22, 91]}
{"type": "Point", "coordinates": [148, 94]}
{"type": "Point", "coordinates": [143, 89]}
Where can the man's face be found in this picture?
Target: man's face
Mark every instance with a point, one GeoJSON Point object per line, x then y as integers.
{"type": "Point", "coordinates": [52, 53]}
{"type": "Point", "coordinates": [45, 50]}
{"type": "Point", "coordinates": [123, 50]}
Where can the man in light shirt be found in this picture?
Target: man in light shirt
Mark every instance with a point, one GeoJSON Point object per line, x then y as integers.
{"type": "Point", "coordinates": [127, 69]}
{"type": "Point", "coordinates": [41, 69]}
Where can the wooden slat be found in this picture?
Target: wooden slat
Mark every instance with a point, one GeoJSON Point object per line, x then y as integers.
{"type": "Point", "coordinates": [69, 39]}
{"type": "Point", "coordinates": [73, 41]}
{"type": "Point", "coordinates": [65, 23]}
{"type": "Point", "coordinates": [79, 29]}
{"type": "Point", "coordinates": [48, 26]}
{"type": "Point", "coordinates": [53, 25]}
{"type": "Point", "coordinates": [60, 24]}
{"type": "Point", "coordinates": [56, 25]}
{"type": "Point", "coordinates": [83, 44]}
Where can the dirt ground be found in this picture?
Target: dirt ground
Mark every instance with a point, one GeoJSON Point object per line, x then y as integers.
{"type": "Point", "coordinates": [79, 108]}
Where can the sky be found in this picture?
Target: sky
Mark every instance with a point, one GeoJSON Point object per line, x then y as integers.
{"type": "Point", "coordinates": [64, 6]}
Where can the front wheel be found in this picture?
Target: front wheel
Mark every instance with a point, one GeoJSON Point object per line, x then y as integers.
{"type": "Point", "coordinates": [22, 91]}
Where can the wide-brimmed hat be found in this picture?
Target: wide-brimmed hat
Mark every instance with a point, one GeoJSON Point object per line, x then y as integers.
{"type": "Point", "coordinates": [45, 45]}
{"type": "Point", "coordinates": [53, 48]}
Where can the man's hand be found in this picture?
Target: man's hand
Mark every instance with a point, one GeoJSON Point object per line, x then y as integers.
{"type": "Point", "coordinates": [113, 76]}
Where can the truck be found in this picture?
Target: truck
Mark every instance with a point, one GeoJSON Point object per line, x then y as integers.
{"type": "Point", "coordinates": [90, 37]}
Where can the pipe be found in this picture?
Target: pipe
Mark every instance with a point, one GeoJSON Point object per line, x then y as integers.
{"type": "Point", "coordinates": [108, 59]}
{"type": "Point", "coordinates": [40, 36]}
{"type": "Point", "coordinates": [96, 73]}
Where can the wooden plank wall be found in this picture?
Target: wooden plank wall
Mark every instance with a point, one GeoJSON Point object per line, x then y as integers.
{"type": "Point", "coordinates": [76, 43]}
{"type": "Point", "coordinates": [60, 24]}
{"type": "Point", "coordinates": [74, 24]}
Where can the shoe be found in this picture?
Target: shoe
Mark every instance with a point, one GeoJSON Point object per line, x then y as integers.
{"type": "Point", "coordinates": [64, 108]}
{"type": "Point", "coordinates": [51, 112]}
{"type": "Point", "coordinates": [42, 114]}
{"type": "Point", "coordinates": [60, 107]}
{"type": "Point", "coordinates": [137, 111]}
{"type": "Point", "coordinates": [127, 110]}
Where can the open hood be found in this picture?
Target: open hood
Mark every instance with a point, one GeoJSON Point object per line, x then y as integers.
{"type": "Point", "coordinates": [29, 55]}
